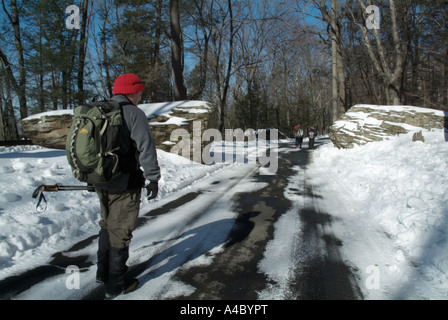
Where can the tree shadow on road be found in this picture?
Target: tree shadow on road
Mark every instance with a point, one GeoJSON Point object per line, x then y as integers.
{"type": "Point", "coordinates": [180, 250]}
{"type": "Point", "coordinates": [324, 275]}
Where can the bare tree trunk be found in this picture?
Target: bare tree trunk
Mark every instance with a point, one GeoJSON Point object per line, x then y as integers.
{"type": "Point", "coordinates": [105, 59]}
{"type": "Point", "coordinates": [82, 52]}
{"type": "Point", "coordinates": [41, 98]}
{"type": "Point", "coordinates": [228, 73]}
{"type": "Point", "coordinates": [21, 88]}
{"type": "Point", "coordinates": [180, 92]}
{"type": "Point", "coordinates": [340, 73]}
{"type": "Point", "coordinates": [153, 88]}
{"type": "Point", "coordinates": [8, 122]}
{"type": "Point", "coordinates": [64, 89]}
{"type": "Point", "coordinates": [391, 76]}
{"type": "Point", "coordinates": [12, 132]}
{"type": "Point", "coordinates": [54, 97]}
{"type": "Point", "coordinates": [339, 103]}
{"type": "Point", "coordinates": [203, 64]}
{"type": "Point", "coordinates": [222, 80]}
{"type": "Point", "coordinates": [334, 77]}
{"type": "Point", "coordinates": [445, 83]}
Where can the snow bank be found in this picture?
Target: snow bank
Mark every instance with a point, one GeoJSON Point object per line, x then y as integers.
{"type": "Point", "coordinates": [394, 189]}
{"type": "Point", "coordinates": [150, 109]}
{"type": "Point", "coordinates": [165, 108]}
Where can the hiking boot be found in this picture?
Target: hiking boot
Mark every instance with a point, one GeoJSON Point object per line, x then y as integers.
{"type": "Point", "coordinates": [117, 282]}
{"type": "Point", "coordinates": [128, 286]}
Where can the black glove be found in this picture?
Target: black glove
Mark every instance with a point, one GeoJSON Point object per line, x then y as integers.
{"type": "Point", "coordinates": [152, 189]}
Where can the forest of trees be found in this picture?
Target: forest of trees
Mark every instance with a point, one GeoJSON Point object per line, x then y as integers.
{"type": "Point", "coordinates": [260, 63]}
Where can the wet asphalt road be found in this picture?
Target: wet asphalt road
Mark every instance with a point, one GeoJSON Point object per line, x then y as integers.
{"type": "Point", "coordinates": [234, 273]}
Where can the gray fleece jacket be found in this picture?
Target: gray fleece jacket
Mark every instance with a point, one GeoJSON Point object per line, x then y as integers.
{"type": "Point", "coordinates": [145, 149]}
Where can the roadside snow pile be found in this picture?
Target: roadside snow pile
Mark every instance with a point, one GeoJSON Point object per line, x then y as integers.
{"type": "Point", "coordinates": [401, 186]}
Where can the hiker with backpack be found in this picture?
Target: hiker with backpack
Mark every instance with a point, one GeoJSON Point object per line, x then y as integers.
{"type": "Point", "coordinates": [126, 145]}
{"type": "Point", "coordinates": [311, 137]}
{"type": "Point", "coordinates": [298, 135]}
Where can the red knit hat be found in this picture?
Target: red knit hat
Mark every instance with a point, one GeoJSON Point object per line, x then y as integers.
{"type": "Point", "coordinates": [128, 83]}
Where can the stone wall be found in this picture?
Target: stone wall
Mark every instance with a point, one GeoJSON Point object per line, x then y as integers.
{"type": "Point", "coordinates": [186, 120]}
{"type": "Point", "coordinates": [50, 129]}
{"type": "Point", "coordinates": [366, 123]}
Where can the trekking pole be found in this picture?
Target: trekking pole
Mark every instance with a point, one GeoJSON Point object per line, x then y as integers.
{"type": "Point", "coordinates": [55, 188]}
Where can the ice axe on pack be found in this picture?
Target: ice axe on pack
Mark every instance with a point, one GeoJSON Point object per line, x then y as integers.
{"type": "Point", "coordinates": [55, 188]}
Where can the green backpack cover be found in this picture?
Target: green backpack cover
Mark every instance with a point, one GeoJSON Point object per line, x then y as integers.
{"type": "Point", "coordinates": [93, 141]}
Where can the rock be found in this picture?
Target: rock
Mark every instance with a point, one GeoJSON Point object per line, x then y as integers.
{"type": "Point", "coordinates": [184, 119]}
{"type": "Point", "coordinates": [366, 123]}
{"type": "Point", "coordinates": [50, 129]}
{"type": "Point", "coordinates": [418, 136]}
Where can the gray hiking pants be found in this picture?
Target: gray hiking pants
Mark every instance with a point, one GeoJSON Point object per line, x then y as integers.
{"type": "Point", "coordinates": [119, 213]}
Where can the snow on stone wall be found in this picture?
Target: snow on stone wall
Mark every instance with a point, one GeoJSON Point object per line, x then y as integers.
{"type": "Point", "coordinates": [366, 123]}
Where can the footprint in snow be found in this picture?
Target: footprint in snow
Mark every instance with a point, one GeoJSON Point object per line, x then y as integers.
{"type": "Point", "coordinates": [9, 197]}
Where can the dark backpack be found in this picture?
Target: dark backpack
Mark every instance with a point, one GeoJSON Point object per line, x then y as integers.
{"type": "Point", "coordinates": [94, 141]}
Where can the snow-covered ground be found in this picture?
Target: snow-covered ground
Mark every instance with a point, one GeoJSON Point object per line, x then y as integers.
{"type": "Point", "coordinates": [28, 236]}
{"type": "Point", "coordinates": [388, 200]}
{"type": "Point", "coordinates": [392, 201]}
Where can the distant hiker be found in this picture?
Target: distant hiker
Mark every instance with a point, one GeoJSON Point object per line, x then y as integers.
{"type": "Point", "coordinates": [120, 197]}
{"type": "Point", "coordinates": [311, 137]}
{"type": "Point", "coordinates": [298, 135]}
